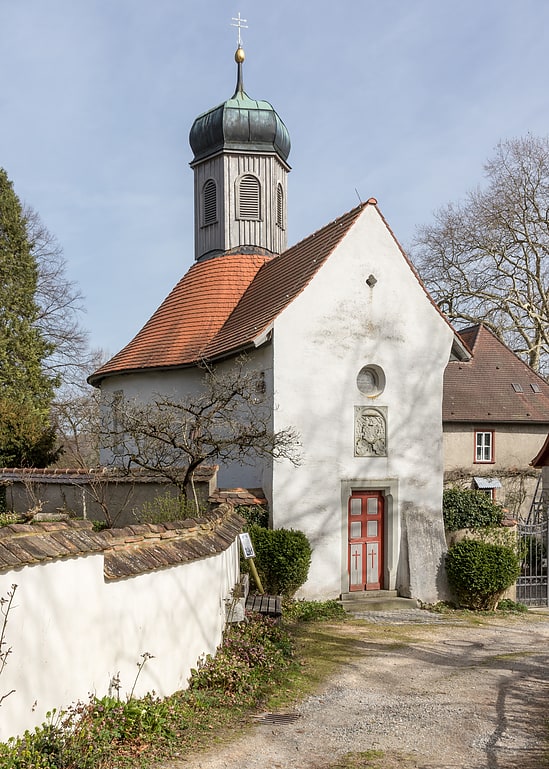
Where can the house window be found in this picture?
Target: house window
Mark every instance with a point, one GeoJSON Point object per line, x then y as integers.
{"type": "Point", "coordinates": [248, 198]}
{"type": "Point", "coordinates": [484, 446]}
{"type": "Point", "coordinates": [209, 203]}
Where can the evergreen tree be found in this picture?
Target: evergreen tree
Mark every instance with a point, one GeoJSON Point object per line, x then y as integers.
{"type": "Point", "coordinates": [26, 391]}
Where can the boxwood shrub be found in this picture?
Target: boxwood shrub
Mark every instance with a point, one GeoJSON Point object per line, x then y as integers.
{"type": "Point", "coordinates": [479, 572]}
{"type": "Point", "coordinates": [283, 558]}
{"type": "Point", "coordinates": [469, 509]}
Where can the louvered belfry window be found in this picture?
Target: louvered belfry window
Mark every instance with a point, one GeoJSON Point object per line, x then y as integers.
{"type": "Point", "coordinates": [248, 198]}
{"type": "Point", "coordinates": [280, 206]}
{"type": "Point", "coordinates": [209, 203]}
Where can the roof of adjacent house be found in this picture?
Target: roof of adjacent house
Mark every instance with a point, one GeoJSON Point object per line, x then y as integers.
{"type": "Point", "coordinates": [226, 303]}
{"type": "Point", "coordinates": [542, 457]}
{"type": "Point", "coordinates": [495, 385]}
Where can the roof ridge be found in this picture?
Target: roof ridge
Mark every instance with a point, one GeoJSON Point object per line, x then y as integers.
{"type": "Point", "coordinates": [352, 212]}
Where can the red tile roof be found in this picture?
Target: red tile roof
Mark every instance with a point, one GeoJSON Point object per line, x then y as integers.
{"type": "Point", "coordinates": [189, 318]}
{"type": "Point", "coordinates": [79, 475]}
{"type": "Point", "coordinates": [236, 497]}
{"type": "Point", "coordinates": [494, 386]}
{"type": "Point", "coordinates": [128, 551]}
{"type": "Point", "coordinates": [223, 304]}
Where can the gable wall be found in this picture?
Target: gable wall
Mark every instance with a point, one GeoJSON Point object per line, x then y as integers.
{"type": "Point", "coordinates": [336, 326]}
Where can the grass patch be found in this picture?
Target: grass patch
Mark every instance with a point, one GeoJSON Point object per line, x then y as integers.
{"type": "Point", "coordinates": [320, 650]}
{"type": "Point", "coordinates": [505, 606]}
{"type": "Point", "coordinates": [511, 607]}
{"type": "Point", "coordinates": [313, 611]}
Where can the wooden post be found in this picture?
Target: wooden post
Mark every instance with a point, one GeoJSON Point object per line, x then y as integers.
{"type": "Point", "coordinates": [255, 575]}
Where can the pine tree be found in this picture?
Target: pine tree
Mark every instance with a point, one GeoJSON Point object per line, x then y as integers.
{"type": "Point", "coordinates": [26, 391]}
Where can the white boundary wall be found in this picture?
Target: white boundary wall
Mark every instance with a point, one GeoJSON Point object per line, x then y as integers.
{"type": "Point", "coordinates": [71, 631]}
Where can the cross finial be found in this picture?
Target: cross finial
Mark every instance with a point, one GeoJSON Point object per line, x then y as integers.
{"type": "Point", "coordinates": [241, 24]}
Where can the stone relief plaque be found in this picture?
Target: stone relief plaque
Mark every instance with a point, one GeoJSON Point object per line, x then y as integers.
{"type": "Point", "coordinates": [370, 432]}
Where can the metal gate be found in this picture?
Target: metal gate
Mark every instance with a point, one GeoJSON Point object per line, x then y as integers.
{"type": "Point", "coordinates": [533, 583]}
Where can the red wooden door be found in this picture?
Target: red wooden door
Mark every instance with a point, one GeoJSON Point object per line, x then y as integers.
{"type": "Point", "coordinates": [366, 540]}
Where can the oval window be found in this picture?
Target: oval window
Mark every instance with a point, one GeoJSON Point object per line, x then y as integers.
{"type": "Point", "coordinates": [371, 380]}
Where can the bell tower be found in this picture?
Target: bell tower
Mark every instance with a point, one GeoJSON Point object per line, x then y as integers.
{"type": "Point", "coordinates": [240, 169]}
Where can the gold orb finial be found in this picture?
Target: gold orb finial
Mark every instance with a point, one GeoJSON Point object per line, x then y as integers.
{"type": "Point", "coordinates": [239, 55]}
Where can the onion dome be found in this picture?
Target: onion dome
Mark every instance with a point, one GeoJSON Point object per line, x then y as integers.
{"type": "Point", "coordinates": [239, 124]}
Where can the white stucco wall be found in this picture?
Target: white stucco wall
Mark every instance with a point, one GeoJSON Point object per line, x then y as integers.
{"type": "Point", "coordinates": [71, 632]}
{"type": "Point", "coordinates": [321, 341]}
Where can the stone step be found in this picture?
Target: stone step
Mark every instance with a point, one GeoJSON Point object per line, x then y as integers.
{"type": "Point", "coordinates": [376, 600]}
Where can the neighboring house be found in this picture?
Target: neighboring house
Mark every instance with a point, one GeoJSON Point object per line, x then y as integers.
{"type": "Point", "coordinates": [352, 349]}
{"type": "Point", "coordinates": [495, 418]}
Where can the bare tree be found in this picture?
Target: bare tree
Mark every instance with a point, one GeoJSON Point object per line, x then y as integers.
{"type": "Point", "coordinates": [6, 606]}
{"type": "Point", "coordinates": [77, 420]}
{"type": "Point", "coordinates": [76, 415]}
{"type": "Point", "coordinates": [110, 490]}
{"type": "Point", "coordinates": [60, 305]}
{"type": "Point", "coordinates": [487, 258]}
{"type": "Point", "coordinates": [229, 420]}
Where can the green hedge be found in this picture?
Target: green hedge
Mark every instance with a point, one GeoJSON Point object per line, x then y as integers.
{"type": "Point", "coordinates": [479, 572]}
{"type": "Point", "coordinates": [283, 558]}
{"type": "Point", "coordinates": [469, 509]}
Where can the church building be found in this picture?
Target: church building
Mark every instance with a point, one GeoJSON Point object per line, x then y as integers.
{"type": "Point", "coordinates": [351, 347]}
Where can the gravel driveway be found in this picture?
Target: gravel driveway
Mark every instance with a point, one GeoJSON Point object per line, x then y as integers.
{"type": "Point", "coordinates": [426, 690]}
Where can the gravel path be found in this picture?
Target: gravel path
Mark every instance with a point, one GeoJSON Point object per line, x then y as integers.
{"type": "Point", "coordinates": [429, 692]}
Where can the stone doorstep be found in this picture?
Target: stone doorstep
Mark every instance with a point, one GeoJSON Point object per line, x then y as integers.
{"type": "Point", "coordinates": [376, 600]}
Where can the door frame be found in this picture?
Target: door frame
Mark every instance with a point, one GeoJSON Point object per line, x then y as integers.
{"type": "Point", "coordinates": [392, 527]}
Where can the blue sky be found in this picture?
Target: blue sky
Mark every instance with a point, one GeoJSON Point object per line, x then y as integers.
{"type": "Point", "coordinates": [401, 100]}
